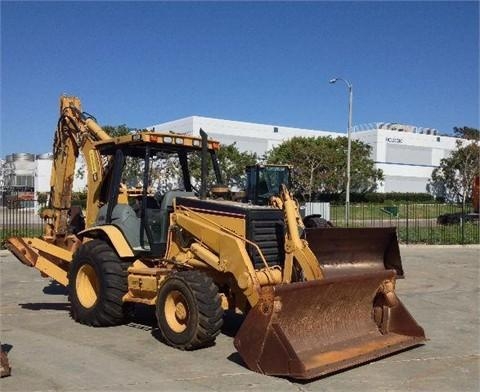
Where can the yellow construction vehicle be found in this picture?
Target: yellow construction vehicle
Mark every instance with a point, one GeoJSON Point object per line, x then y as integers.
{"type": "Point", "coordinates": [192, 257]}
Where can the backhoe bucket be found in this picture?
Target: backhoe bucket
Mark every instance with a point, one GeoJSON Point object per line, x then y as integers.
{"type": "Point", "coordinates": [342, 251]}
{"type": "Point", "coordinates": [309, 329]}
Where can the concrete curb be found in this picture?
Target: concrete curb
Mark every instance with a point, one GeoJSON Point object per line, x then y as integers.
{"type": "Point", "coordinates": [427, 246]}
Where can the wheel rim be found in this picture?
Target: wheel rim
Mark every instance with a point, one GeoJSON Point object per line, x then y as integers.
{"type": "Point", "coordinates": [87, 286]}
{"type": "Point", "coordinates": [176, 311]}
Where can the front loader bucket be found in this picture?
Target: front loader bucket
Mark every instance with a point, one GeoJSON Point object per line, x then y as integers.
{"type": "Point", "coordinates": [309, 329]}
{"type": "Point", "coordinates": [342, 251]}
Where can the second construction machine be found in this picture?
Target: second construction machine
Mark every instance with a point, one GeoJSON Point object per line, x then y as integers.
{"type": "Point", "coordinates": [192, 257]}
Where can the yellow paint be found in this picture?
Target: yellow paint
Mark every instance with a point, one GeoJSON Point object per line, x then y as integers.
{"type": "Point", "coordinates": [52, 270]}
{"type": "Point", "coordinates": [176, 311]}
{"type": "Point", "coordinates": [234, 223]}
{"type": "Point", "coordinates": [87, 286]}
{"type": "Point", "coordinates": [115, 236]}
{"type": "Point", "coordinates": [142, 283]}
{"type": "Point", "coordinates": [217, 242]}
{"type": "Point", "coordinates": [51, 249]}
{"type": "Point", "coordinates": [92, 155]}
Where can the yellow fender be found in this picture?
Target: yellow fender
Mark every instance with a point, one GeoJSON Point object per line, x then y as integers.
{"type": "Point", "coordinates": [114, 235]}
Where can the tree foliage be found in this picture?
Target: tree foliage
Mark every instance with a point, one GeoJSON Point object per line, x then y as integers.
{"type": "Point", "coordinates": [165, 173]}
{"type": "Point", "coordinates": [114, 131]}
{"type": "Point", "coordinates": [132, 173]}
{"type": "Point", "coordinates": [232, 164]}
{"type": "Point", "coordinates": [467, 133]}
{"type": "Point", "coordinates": [453, 179]}
{"type": "Point", "coordinates": [117, 130]}
{"type": "Point", "coordinates": [319, 165]}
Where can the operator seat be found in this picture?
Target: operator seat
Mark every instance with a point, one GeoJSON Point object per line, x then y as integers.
{"type": "Point", "coordinates": [125, 218]}
{"type": "Point", "coordinates": [166, 208]}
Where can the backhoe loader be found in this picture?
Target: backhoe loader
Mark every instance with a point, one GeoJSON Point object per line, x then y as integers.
{"type": "Point", "coordinates": [192, 257]}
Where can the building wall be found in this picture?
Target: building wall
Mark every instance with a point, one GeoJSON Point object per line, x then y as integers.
{"type": "Point", "coordinates": [407, 159]}
{"type": "Point", "coordinates": [18, 171]}
{"type": "Point", "coordinates": [258, 138]}
{"type": "Point", "coordinates": [183, 125]}
{"type": "Point", "coordinates": [42, 174]}
{"type": "Point", "coordinates": [406, 154]}
{"type": "Point", "coordinates": [35, 172]}
{"type": "Point", "coordinates": [3, 171]}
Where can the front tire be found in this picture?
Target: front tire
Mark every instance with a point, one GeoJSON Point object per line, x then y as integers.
{"type": "Point", "coordinates": [189, 311]}
{"type": "Point", "coordinates": [97, 284]}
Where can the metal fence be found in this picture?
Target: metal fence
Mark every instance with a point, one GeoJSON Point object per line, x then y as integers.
{"type": "Point", "coordinates": [424, 223]}
{"type": "Point", "coordinates": [415, 223]}
{"type": "Point", "coordinates": [19, 216]}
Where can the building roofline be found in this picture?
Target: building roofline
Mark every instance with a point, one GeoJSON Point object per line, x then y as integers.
{"type": "Point", "coordinates": [198, 117]}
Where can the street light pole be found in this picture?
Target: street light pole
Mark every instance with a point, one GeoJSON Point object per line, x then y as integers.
{"type": "Point", "coordinates": [349, 144]}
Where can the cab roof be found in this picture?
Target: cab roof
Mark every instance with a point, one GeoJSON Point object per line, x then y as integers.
{"type": "Point", "coordinates": [169, 142]}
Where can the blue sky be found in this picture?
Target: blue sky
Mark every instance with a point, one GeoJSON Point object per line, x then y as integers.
{"type": "Point", "coordinates": [144, 63]}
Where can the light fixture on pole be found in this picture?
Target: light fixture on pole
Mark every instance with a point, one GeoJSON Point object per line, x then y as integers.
{"type": "Point", "coordinates": [349, 147]}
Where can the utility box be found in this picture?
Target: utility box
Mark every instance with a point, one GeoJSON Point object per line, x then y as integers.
{"type": "Point", "coordinates": [312, 208]}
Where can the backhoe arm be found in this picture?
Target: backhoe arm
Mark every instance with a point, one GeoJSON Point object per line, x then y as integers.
{"type": "Point", "coordinates": [76, 131]}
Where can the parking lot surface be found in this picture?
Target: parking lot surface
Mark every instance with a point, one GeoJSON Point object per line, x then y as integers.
{"type": "Point", "coordinates": [49, 351]}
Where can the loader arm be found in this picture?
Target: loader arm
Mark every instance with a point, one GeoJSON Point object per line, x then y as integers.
{"type": "Point", "coordinates": [220, 249]}
{"type": "Point", "coordinates": [296, 248]}
{"type": "Point", "coordinates": [76, 132]}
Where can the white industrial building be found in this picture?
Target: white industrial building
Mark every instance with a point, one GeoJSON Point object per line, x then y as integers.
{"type": "Point", "coordinates": [43, 169]}
{"type": "Point", "coordinates": [406, 154]}
{"type": "Point", "coordinates": [29, 172]}
{"type": "Point", "coordinates": [258, 138]}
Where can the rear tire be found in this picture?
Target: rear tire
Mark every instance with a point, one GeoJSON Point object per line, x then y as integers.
{"type": "Point", "coordinates": [189, 311]}
{"type": "Point", "coordinates": [316, 222]}
{"type": "Point", "coordinates": [97, 284]}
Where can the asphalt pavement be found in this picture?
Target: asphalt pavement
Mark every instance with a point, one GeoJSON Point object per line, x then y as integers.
{"type": "Point", "coordinates": [48, 351]}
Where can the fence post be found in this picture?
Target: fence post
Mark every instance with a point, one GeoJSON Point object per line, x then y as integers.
{"type": "Point", "coordinates": [462, 224]}
{"type": "Point", "coordinates": [407, 222]}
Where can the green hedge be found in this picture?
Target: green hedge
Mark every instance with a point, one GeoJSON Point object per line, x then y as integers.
{"type": "Point", "coordinates": [79, 199]}
{"type": "Point", "coordinates": [375, 197]}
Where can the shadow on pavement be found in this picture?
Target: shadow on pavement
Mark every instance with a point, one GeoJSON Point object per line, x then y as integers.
{"type": "Point", "coordinates": [236, 358]}
{"type": "Point", "coordinates": [231, 323]}
{"type": "Point", "coordinates": [6, 347]}
{"type": "Point", "coordinates": [55, 288]}
{"type": "Point", "coordinates": [63, 306]}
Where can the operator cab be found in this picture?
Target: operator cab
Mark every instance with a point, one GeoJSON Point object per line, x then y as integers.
{"type": "Point", "coordinates": [148, 171]}
{"type": "Point", "coordinates": [264, 181]}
